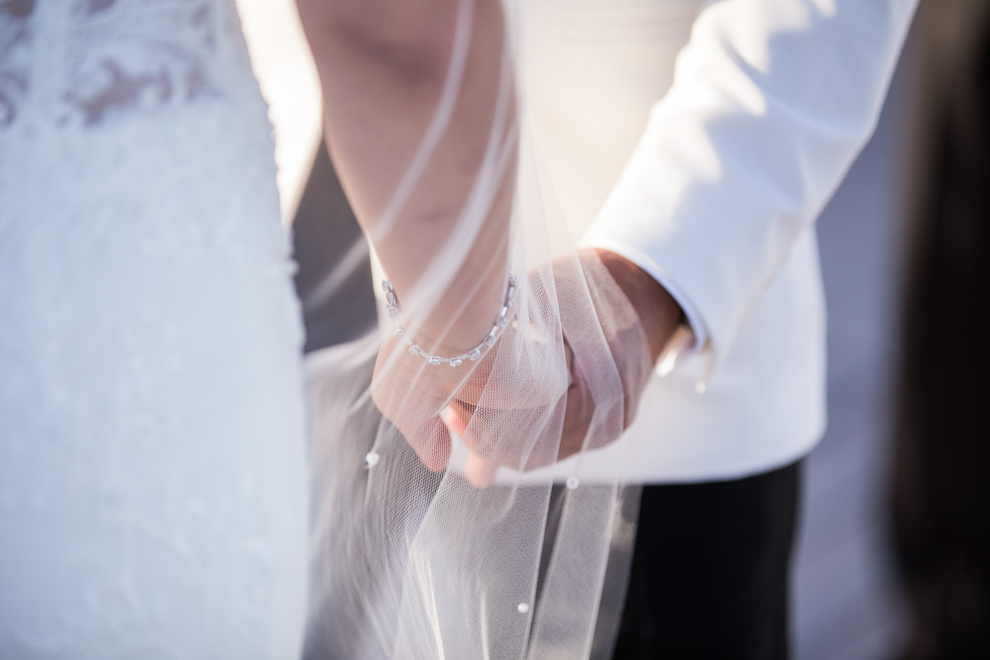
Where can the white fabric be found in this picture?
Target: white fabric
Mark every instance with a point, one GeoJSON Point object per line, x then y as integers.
{"type": "Point", "coordinates": [415, 557]}
{"type": "Point", "coordinates": [701, 141]}
{"type": "Point", "coordinates": [153, 477]}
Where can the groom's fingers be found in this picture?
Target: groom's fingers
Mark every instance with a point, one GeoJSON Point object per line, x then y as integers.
{"type": "Point", "coordinates": [579, 408]}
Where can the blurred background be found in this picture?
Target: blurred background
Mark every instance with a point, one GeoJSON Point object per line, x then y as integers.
{"type": "Point", "coordinates": [892, 554]}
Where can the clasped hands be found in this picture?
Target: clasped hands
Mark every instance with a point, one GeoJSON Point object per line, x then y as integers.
{"type": "Point", "coordinates": [566, 375]}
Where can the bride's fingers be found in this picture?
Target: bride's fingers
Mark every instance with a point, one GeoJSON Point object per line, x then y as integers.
{"type": "Point", "coordinates": [455, 421]}
{"type": "Point", "coordinates": [525, 441]}
{"type": "Point", "coordinates": [431, 442]}
{"type": "Point", "coordinates": [479, 472]}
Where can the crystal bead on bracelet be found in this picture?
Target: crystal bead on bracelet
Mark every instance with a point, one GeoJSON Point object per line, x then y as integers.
{"type": "Point", "coordinates": [501, 321]}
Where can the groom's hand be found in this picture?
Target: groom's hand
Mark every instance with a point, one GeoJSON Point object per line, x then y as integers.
{"type": "Point", "coordinates": [634, 350]}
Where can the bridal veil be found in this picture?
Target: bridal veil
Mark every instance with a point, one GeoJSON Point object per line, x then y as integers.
{"type": "Point", "coordinates": [444, 526]}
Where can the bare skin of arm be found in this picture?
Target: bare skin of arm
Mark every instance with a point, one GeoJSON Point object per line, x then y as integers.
{"type": "Point", "coordinates": [383, 65]}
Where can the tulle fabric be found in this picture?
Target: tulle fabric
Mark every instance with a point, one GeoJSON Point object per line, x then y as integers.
{"type": "Point", "coordinates": [411, 562]}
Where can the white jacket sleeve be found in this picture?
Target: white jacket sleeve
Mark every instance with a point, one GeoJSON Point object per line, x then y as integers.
{"type": "Point", "coordinates": [772, 100]}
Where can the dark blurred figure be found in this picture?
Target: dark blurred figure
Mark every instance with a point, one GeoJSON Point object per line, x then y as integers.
{"type": "Point", "coordinates": [942, 462]}
{"type": "Point", "coordinates": [334, 277]}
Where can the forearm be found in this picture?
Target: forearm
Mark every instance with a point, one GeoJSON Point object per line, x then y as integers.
{"type": "Point", "coordinates": [386, 68]}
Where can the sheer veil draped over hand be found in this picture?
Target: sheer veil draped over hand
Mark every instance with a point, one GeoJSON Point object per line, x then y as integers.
{"type": "Point", "coordinates": [442, 529]}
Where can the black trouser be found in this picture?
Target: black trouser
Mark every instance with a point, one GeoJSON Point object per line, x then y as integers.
{"type": "Point", "coordinates": [941, 484]}
{"type": "Point", "coordinates": [709, 575]}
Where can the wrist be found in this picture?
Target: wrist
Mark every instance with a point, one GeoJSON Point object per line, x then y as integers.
{"type": "Point", "coordinates": [658, 311]}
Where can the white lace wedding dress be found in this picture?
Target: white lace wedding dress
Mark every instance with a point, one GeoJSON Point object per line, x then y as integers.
{"type": "Point", "coordinates": [153, 481]}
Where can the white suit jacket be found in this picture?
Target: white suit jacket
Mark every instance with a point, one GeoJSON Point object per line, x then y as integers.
{"type": "Point", "coordinates": [701, 141]}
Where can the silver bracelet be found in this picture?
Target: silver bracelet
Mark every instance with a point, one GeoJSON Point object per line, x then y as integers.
{"type": "Point", "coordinates": [502, 320]}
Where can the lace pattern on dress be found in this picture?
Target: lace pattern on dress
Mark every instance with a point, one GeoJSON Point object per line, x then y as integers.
{"type": "Point", "coordinates": [146, 487]}
{"type": "Point", "coordinates": [15, 37]}
{"type": "Point", "coordinates": [83, 61]}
